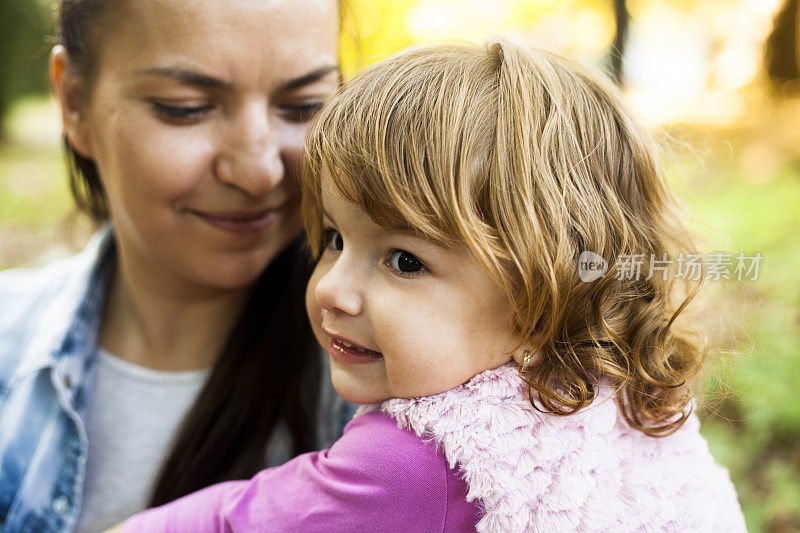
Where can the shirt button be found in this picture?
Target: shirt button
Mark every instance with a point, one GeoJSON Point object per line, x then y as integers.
{"type": "Point", "coordinates": [68, 382]}
{"type": "Point", "coordinates": [60, 504]}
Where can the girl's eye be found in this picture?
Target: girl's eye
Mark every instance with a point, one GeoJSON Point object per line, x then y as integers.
{"type": "Point", "coordinates": [332, 240]}
{"type": "Point", "coordinates": [302, 112]}
{"type": "Point", "coordinates": [405, 263]}
{"type": "Point", "coordinates": [180, 113]}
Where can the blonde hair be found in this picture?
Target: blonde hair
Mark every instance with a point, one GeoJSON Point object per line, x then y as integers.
{"type": "Point", "coordinates": [527, 159]}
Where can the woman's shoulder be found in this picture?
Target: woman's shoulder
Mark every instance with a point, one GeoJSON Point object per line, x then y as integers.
{"type": "Point", "coordinates": [29, 284]}
{"type": "Point", "coordinates": [41, 302]}
{"type": "Point", "coordinates": [27, 298]}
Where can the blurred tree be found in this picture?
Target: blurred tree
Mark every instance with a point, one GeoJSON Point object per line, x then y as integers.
{"type": "Point", "coordinates": [781, 52]}
{"type": "Point", "coordinates": [617, 52]}
{"type": "Point", "coordinates": [23, 51]}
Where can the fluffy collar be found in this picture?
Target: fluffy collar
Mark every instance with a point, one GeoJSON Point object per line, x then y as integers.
{"type": "Point", "coordinates": [585, 472]}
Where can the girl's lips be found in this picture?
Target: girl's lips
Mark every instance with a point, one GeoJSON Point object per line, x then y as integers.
{"type": "Point", "coordinates": [239, 223]}
{"type": "Point", "coordinates": [353, 355]}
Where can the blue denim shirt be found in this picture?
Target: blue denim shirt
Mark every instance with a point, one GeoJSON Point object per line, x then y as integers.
{"type": "Point", "coordinates": [49, 319]}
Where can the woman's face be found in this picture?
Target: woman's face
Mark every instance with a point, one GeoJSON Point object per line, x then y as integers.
{"type": "Point", "coordinates": [195, 118]}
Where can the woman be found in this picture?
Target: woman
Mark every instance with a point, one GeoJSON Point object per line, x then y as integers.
{"type": "Point", "coordinates": [174, 351]}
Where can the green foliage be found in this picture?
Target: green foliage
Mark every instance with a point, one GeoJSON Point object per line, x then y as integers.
{"type": "Point", "coordinates": [23, 49]}
{"type": "Point", "coordinates": [755, 429]}
{"type": "Point", "coordinates": [34, 195]}
{"type": "Point", "coordinates": [33, 188]}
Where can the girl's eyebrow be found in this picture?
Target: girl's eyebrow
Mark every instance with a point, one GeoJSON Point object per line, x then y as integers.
{"type": "Point", "coordinates": [204, 81]}
{"type": "Point", "coordinates": [380, 231]}
{"type": "Point", "coordinates": [399, 231]}
{"type": "Point", "coordinates": [329, 216]}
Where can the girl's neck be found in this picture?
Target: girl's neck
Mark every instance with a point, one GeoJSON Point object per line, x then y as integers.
{"type": "Point", "coordinates": [158, 321]}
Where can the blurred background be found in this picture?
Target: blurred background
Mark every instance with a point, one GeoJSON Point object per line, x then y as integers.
{"type": "Point", "coordinates": [721, 78]}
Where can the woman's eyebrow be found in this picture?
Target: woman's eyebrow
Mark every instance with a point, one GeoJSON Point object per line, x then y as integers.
{"type": "Point", "coordinates": [204, 81]}
{"type": "Point", "coordinates": [187, 77]}
{"type": "Point", "coordinates": [309, 78]}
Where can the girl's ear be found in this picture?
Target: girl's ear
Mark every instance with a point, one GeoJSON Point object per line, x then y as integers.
{"type": "Point", "coordinates": [68, 88]}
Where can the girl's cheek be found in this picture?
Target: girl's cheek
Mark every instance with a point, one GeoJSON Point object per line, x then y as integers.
{"type": "Point", "coordinates": [313, 309]}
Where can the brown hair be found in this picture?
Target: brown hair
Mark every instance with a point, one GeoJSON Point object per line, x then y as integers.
{"type": "Point", "coordinates": [527, 159]}
{"type": "Point", "coordinates": [268, 372]}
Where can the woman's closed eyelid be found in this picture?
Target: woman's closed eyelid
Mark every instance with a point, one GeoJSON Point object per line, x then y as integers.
{"type": "Point", "coordinates": [190, 109]}
{"type": "Point", "coordinates": [302, 112]}
{"type": "Point", "coordinates": [175, 112]}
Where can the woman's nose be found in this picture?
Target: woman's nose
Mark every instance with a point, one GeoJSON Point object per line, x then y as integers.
{"type": "Point", "coordinates": [250, 159]}
{"type": "Point", "coordinates": [338, 290]}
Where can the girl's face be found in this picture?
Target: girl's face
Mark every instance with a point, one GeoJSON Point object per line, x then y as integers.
{"type": "Point", "coordinates": [424, 318]}
{"type": "Point", "coordinates": [195, 118]}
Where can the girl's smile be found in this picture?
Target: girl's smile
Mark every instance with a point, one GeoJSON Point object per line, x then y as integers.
{"type": "Point", "coordinates": [350, 352]}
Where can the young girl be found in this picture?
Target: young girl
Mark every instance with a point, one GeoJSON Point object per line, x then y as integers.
{"type": "Point", "coordinates": [451, 192]}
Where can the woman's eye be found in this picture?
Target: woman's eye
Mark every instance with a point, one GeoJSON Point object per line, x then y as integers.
{"type": "Point", "coordinates": [174, 113]}
{"type": "Point", "coordinates": [405, 263]}
{"type": "Point", "coordinates": [332, 240]}
{"type": "Point", "coordinates": [302, 112]}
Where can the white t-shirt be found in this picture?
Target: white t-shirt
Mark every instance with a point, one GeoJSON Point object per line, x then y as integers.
{"type": "Point", "coordinates": [133, 415]}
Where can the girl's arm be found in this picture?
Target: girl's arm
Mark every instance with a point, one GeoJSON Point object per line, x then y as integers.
{"type": "Point", "coordinates": [376, 475]}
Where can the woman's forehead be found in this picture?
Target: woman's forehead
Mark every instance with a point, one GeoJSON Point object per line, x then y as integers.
{"type": "Point", "coordinates": [248, 42]}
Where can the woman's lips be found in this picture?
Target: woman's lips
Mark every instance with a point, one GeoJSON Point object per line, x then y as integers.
{"type": "Point", "coordinates": [351, 353]}
{"type": "Point", "coordinates": [239, 222]}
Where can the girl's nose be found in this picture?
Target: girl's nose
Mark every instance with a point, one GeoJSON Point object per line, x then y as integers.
{"type": "Point", "coordinates": [338, 291]}
{"type": "Point", "coordinates": [251, 160]}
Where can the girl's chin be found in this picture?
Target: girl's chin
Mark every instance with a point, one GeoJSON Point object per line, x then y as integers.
{"type": "Point", "coordinates": [353, 390]}
{"type": "Point", "coordinates": [359, 397]}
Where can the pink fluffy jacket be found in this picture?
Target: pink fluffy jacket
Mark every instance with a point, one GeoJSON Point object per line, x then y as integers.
{"type": "Point", "coordinates": [585, 472]}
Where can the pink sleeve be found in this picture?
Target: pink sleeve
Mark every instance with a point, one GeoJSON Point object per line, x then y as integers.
{"type": "Point", "coordinates": [376, 475]}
